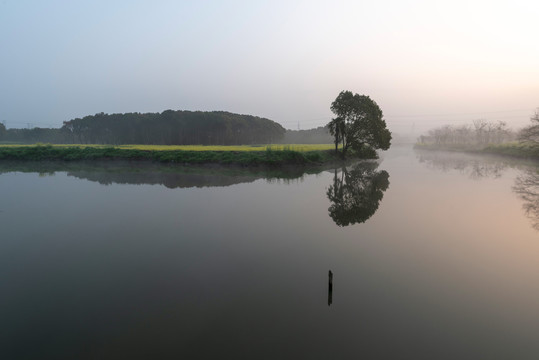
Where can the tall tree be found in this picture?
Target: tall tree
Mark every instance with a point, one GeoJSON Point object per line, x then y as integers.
{"type": "Point", "coordinates": [531, 133]}
{"type": "Point", "coordinates": [336, 129]}
{"type": "Point", "coordinates": [2, 130]}
{"type": "Point", "coordinates": [359, 123]}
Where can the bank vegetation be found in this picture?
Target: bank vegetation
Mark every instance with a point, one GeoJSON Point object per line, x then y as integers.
{"type": "Point", "coordinates": [482, 136]}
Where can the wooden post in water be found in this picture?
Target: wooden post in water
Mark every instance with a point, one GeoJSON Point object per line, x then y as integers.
{"type": "Point", "coordinates": [330, 288]}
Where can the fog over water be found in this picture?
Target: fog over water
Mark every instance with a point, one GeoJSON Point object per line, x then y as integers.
{"type": "Point", "coordinates": [431, 256]}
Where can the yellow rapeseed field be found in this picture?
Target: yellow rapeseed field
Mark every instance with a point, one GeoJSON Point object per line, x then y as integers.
{"type": "Point", "coordinates": [272, 147]}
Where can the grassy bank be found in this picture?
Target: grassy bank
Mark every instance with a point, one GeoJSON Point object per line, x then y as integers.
{"type": "Point", "coordinates": [293, 147]}
{"type": "Point", "coordinates": [513, 149]}
{"type": "Point", "coordinates": [272, 155]}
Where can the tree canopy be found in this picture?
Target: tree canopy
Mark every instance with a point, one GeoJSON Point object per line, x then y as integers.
{"type": "Point", "coordinates": [166, 128]}
{"type": "Point", "coordinates": [358, 123]}
{"type": "Point", "coordinates": [174, 128]}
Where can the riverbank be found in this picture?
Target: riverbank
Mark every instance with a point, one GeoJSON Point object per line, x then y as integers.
{"type": "Point", "coordinates": [513, 149]}
{"type": "Point", "coordinates": [260, 157]}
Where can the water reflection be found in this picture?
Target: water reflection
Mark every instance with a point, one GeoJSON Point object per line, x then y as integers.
{"type": "Point", "coordinates": [356, 193]}
{"type": "Point", "coordinates": [330, 288]}
{"type": "Point", "coordinates": [527, 188]}
{"type": "Point", "coordinates": [526, 184]}
{"type": "Point", "coordinates": [473, 167]}
{"type": "Point", "coordinates": [170, 176]}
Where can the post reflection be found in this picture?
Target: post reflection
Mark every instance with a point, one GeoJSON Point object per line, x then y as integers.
{"type": "Point", "coordinates": [330, 288]}
{"type": "Point", "coordinates": [356, 193]}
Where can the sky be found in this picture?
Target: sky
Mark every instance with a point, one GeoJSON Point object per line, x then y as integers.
{"type": "Point", "coordinates": [426, 63]}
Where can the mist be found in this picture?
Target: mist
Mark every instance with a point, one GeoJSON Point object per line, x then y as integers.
{"type": "Point", "coordinates": [425, 64]}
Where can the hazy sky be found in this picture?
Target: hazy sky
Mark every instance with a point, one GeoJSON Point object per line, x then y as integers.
{"type": "Point", "coordinates": [425, 63]}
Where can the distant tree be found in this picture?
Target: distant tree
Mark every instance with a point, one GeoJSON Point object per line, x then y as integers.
{"type": "Point", "coordinates": [2, 131]}
{"type": "Point", "coordinates": [359, 123]}
{"type": "Point", "coordinates": [356, 194]}
{"type": "Point", "coordinates": [480, 134]}
{"type": "Point", "coordinates": [320, 135]}
{"type": "Point", "coordinates": [527, 187]}
{"type": "Point", "coordinates": [531, 133]}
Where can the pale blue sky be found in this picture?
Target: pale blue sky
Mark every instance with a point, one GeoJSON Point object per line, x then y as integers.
{"type": "Point", "coordinates": [424, 62]}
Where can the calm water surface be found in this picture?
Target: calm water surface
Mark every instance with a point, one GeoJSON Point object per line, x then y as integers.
{"type": "Point", "coordinates": [433, 256]}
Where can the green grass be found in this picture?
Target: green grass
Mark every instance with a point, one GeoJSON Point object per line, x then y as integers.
{"type": "Point", "coordinates": [239, 155]}
{"type": "Point", "coordinates": [514, 149]}
{"type": "Point", "coordinates": [276, 147]}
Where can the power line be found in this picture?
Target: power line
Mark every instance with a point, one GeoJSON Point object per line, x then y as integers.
{"type": "Point", "coordinates": [461, 114]}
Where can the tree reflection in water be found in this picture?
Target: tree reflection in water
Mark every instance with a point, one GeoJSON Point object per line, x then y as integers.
{"type": "Point", "coordinates": [527, 188]}
{"type": "Point", "coordinates": [478, 167]}
{"type": "Point", "coordinates": [356, 193]}
{"type": "Point", "coordinates": [475, 168]}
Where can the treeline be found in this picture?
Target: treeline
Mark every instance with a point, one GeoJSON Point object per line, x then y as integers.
{"type": "Point", "coordinates": [173, 128]}
{"type": "Point", "coordinates": [32, 136]}
{"type": "Point", "coordinates": [166, 128]}
{"type": "Point", "coordinates": [479, 134]}
{"type": "Point", "coordinates": [320, 135]}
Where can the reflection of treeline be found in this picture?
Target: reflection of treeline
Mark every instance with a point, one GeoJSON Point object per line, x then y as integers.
{"type": "Point", "coordinates": [474, 167]}
{"type": "Point", "coordinates": [526, 184]}
{"type": "Point", "coordinates": [167, 128]}
{"type": "Point", "coordinates": [107, 173]}
{"type": "Point", "coordinates": [527, 188]}
{"type": "Point", "coordinates": [479, 134]}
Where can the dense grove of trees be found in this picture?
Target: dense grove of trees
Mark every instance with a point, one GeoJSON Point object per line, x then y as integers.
{"type": "Point", "coordinates": [320, 135]}
{"type": "Point", "coordinates": [480, 133]}
{"type": "Point", "coordinates": [173, 127]}
{"type": "Point", "coordinates": [32, 136]}
{"type": "Point", "coordinates": [167, 128]}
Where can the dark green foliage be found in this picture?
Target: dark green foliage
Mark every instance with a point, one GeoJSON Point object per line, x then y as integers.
{"type": "Point", "coordinates": [359, 122]}
{"type": "Point", "coordinates": [168, 128]}
{"type": "Point", "coordinates": [365, 152]}
{"type": "Point", "coordinates": [173, 128]}
{"type": "Point", "coordinates": [356, 194]}
{"type": "Point", "coordinates": [2, 131]}
{"type": "Point", "coordinates": [35, 135]}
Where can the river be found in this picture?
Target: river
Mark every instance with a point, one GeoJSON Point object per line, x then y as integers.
{"type": "Point", "coordinates": [432, 256]}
